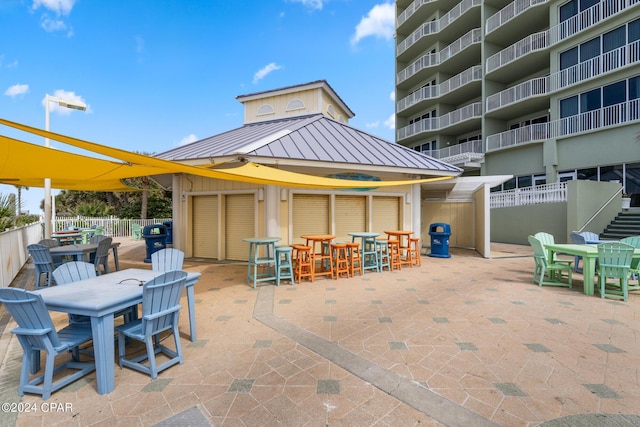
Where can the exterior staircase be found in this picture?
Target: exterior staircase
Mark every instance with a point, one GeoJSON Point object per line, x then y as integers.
{"type": "Point", "coordinates": [625, 224]}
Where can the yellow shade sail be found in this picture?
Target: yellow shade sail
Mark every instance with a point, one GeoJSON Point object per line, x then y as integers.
{"type": "Point", "coordinates": [83, 171]}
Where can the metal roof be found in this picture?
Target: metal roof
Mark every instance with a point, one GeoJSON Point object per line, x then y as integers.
{"type": "Point", "coordinates": [313, 138]}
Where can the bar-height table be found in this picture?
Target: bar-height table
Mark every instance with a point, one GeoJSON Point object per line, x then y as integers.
{"type": "Point", "coordinates": [256, 261]}
{"type": "Point", "coordinates": [367, 249]}
{"type": "Point", "coordinates": [322, 255]}
{"type": "Point", "coordinates": [99, 298]}
{"type": "Point", "coordinates": [402, 236]}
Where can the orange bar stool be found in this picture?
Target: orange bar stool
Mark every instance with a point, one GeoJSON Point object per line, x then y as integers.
{"type": "Point", "coordinates": [339, 260]}
{"type": "Point", "coordinates": [395, 261]}
{"type": "Point", "coordinates": [355, 260]}
{"type": "Point", "coordinates": [414, 250]}
{"type": "Point", "coordinates": [302, 263]}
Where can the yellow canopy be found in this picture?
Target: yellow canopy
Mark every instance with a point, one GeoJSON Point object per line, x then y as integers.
{"type": "Point", "coordinates": [86, 172]}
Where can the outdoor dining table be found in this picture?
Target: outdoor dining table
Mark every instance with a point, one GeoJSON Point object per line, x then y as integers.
{"type": "Point", "coordinates": [81, 252]}
{"type": "Point", "coordinates": [255, 260]}
{"type": "Point", "coordinates": [99, 298]}
{"type": "Point", "coordinates": [67, 237]}
{"type": "Point", "coordinates": [589, 254]}
{"type": "Point", "coordinates": [322, 254]}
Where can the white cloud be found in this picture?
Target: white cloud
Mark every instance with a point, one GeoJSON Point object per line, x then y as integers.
{"type": "Point", "coordinates": [61, 7]}
{"type": "Point", "coordinates": [139, 44]}
{"type": "Point", "coordinates": [16, 90]}
{"type": "Point", "coordinates": [188, 139]}
{"type": "Point", "coordinates": [51, 25]}
{"type": "Point", "coordinates": [63, 94]}
{"type": "Point", "coordinates": [373, 124]}
{"type": "Point", "coordinates": [265, 71]}
{"type": "Point", "coordinates": [391, 122]}
{"type": "Point", "coordinates": [379, 22]}
{"type": "Point", "coordinates": [311, 4]}
{"type": "Point", "coordinates": [392, 96]}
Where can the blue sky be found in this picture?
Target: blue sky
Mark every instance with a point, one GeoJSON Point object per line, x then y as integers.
{"type": "Point", "coordinates": [159, 73]}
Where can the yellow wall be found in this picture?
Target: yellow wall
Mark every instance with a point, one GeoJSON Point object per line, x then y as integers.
{"type": "Point", "coordinates": [459, 215]}
{"type": "Point", "coordinates": [315, 101]}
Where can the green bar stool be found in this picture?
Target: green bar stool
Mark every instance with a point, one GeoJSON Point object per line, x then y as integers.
{"type": "Point", "coordinates": [284, 266]}
{"type": "Point", "coordinates": [382, 249]}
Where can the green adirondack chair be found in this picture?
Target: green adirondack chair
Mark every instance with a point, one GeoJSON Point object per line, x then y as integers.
{"type": "Point", "coordinates": [614, 261]}
{"type": "Point", "coordinates": [634, 269]}
{"type": "Point", "coordinates": [553, 270]}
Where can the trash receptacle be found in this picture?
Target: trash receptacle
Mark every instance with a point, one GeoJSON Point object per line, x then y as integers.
{"type": "Point", "coordinates": [169, 225]}
{"type": "Point", "coordinates": [155, 237]}
{"type": "Point", "coordinates": [440, 233]}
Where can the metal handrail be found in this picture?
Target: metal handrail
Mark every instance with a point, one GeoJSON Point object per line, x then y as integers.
{"type": "Point", "coordinates": [581, 229]}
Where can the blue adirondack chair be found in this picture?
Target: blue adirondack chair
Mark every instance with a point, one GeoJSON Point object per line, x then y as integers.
{"type": "Point", "coordinates": [160, 311]}
{"type": "Point", "coordinates": [167, 259]}
{"type": "Point", "coordinates": [37, 333]}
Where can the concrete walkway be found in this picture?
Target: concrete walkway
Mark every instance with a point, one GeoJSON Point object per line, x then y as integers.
{"type": "Point", "coordinates": [463, 341]}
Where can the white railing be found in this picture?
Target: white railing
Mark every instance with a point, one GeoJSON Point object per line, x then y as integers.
{"type": "Point", "coordinates": [546, 193]}
{"type": "Point", "coordinates": [616, 59]}
{"type": "Point", "coordinates": [468, 112]}
{"type": "Point", "coordinates": [455, 151]}
{"type": "Point", "coordinates": [431, 92]}
{"type": "Point", "coordinates": [410, 10]}
{"type": "Point", "coordinates": [626, 112]}
{"type": "Point", "coordinates": [431, 59]}
{"type": "Point", "coordinates": [509, 12]}
{"type": "Point", "coordinates": [13, 250]}
{"type": "Point", "coordinates": [436, 26]}
{"type": "Point", "coordinates": [113, 226]}
{"type": "Point", "coordinates": [576, 24]}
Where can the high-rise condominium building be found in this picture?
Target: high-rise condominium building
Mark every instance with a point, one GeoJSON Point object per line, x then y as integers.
{"type": "Point", "coordinates": [543, 90]}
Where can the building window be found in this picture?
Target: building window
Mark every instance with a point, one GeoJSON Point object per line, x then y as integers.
{"type": "Point", "coordinates": [331, 111]}
{"type": "Point", "coordinates": [572, 8]}
{"type": "Point", "coordinates": [295, 104]}
{"type": "Point", "coordinates": [265, 109]}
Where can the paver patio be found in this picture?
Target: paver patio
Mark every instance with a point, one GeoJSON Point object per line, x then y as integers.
{"type": "Point", "coordinates": [457, 342]}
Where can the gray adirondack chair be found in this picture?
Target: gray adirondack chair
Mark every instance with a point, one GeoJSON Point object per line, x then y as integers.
{"type": "Point", "coordinates": [37, 333]}
{"type": "Point", "coordinates": [42, 264]}
{"type": "Point", "coordinates": [74, 271]}
{"type": "Point", "coordinates": [101, 260]}
{"type": "Point", "coordinates": [160, 311]}
{"type": "Point", "coordinates": [167, 259]}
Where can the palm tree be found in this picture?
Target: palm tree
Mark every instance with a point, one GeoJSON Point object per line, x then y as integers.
{"type": "Point", "coordinates": [7, 211]}
{"type": "Point", "coordinates": [20, 187]}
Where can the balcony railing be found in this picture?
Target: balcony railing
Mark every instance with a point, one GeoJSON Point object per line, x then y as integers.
{"type": "Point", "coordinates": [626, 112]}
{"type": "Point", "coordinates": [566, 29]}
{"type": "Point", "coordinates": [471, 150]}
{"type": "Point", "coordinates": [471, 111]}
{"type": "Point", "coordinates": [436, 26]}
{"type": "Point", "coordinates": [509, 12]}
{"type": "Point", "coordinates": [437, 91]}
{"type": "Point", "coordinates": [410, 10]}
{"type": "Point", "coordinates": [616, 59]}
{"type": "Point", "coordinates": [433, 59]}
{"type": "Point", "coordinates": [546, 193]}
